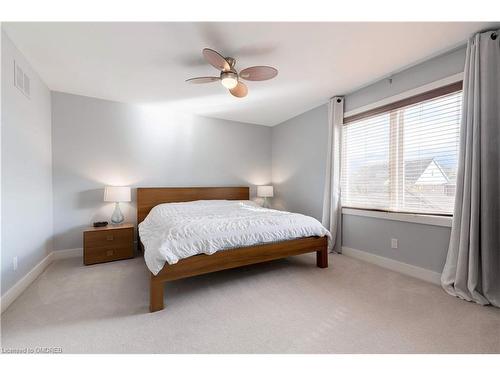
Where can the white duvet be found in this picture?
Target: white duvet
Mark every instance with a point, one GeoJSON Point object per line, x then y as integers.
{"type": "Point", "coordinates": [173, 231]}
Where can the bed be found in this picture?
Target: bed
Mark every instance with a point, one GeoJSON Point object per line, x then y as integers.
{"type": "Point", "coordinates": [166, 266]}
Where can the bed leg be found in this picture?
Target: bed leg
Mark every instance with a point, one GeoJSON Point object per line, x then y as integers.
{"type": "Point", "coordinates": [322, 258]}
{"type": "Point", "coordinates": [155, 295]}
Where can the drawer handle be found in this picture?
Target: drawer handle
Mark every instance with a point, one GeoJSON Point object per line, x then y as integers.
{"type": "Point", "coordinates": [109, 237]}
{"type": "Point", "coordinates": [109, 253]}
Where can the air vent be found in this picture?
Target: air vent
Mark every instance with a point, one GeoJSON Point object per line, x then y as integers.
{"type": "Point", "coordinates": [21, 80]}
{"type": "Point", "coordinates": [26, 85]}
{"type": "Point", "coordinates": [19, 77]}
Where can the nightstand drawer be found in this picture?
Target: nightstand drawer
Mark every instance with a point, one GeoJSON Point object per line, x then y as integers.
{"type": "Point", "coordinates": [109, 253]}
{"type": "Point", "coordinates": [116, 238]}
{"type": "Point", "coordinates": [108, 243]}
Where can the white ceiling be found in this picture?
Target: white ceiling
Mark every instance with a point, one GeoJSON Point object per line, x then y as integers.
{"type": "Point", "coordinates": [149, 62]}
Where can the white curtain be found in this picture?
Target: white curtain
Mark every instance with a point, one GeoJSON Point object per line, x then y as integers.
{"type": "Point", "coordinates": [472, 269]}
{"type": "Point", "coordinates": [332, 210]}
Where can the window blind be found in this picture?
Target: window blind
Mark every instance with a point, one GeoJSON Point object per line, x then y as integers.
{"type": "Point", "coordinates": [403, 159]}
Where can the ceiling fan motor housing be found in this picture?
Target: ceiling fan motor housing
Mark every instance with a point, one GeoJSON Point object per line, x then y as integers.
{"type": "Point", "coordinates": [231, 61]}
{"type": "Point", "coordinates": [229, 74]}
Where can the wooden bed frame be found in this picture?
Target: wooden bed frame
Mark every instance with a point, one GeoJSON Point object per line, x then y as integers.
{"type": "Point", "coordinates": [147, 198]}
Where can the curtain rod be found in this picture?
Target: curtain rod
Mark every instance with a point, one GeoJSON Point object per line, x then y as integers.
{"type": "Point", "coordinates": [493, 31]}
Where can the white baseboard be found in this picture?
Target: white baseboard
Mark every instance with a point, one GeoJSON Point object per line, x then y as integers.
{"type": "Point", "coordinates": [19, 287]}
{"type": "Point", "coordinates": [68, 253]}
{"type": "Point", "coordinates": [394, 265]}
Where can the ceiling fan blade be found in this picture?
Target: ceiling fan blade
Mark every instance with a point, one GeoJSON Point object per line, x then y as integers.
{"type": "Point", "coordinates": [240, 91]}
{"type": "Point", "coordinates": [202, 80]}
{"type": "Point", "coordinates": [216, 60]}
{"type": "Point", "coordinates": [258, 73]}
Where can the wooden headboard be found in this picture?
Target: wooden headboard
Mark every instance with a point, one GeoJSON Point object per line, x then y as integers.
{"type": "Point", "coordinates": [147, 198]}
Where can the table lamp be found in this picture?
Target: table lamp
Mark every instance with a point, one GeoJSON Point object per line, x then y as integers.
{"type": "Point", "coordinates": [265, 192]}
{"type": "Point", "coordinates": [117, 194]}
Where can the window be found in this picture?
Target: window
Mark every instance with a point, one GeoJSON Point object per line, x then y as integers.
{"type": "Point", "coordinates": [403, 157]}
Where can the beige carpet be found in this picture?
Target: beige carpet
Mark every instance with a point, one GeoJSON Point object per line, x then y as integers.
{"type": "Point", "coordinates": [286, 306]}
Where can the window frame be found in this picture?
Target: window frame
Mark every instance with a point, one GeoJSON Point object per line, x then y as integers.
{"type": "Point", "coordinates": [434, 220]}
{"type": "Point", "coordinates": [436, 89]}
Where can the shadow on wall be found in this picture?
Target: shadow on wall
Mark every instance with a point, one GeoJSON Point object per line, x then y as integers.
{"type": "Point", "coordinates": [89, 208]}
{"type": "Point", "coordinates": [94, 199]}
{"type": "Point", "coordinates": [89, 198]}
{"type": "Point", "coordinates": [74, 232]}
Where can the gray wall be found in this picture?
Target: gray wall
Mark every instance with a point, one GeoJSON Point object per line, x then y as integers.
{"type": "Point", "coordinates": [299, 153]}
{"type": "Point", "coordinates": [26, 170]}
{"type": "Point", "coordinates": [426, 72]}
{"type": "Point", "coordinates": [299, 159]}
{"type": "Point", "coordinates": [98, 142]}
{"type": "Point", "coordinates": [418, 244]}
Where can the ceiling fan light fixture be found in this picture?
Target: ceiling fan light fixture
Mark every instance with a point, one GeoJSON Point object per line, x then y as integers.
{"type": "Point", "coordinates": [229, 76]}
{"type": "Point", "coordinates": [229, 80]}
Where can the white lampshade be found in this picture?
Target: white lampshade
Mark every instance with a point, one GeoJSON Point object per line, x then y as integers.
{"type": "Point", "coordinates": [265, 191]}
{"type": "Point", "coordinates": [117, 194]}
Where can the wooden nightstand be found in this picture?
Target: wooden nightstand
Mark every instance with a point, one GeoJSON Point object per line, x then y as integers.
{"type": "Point", "coordinates": [105, 244]}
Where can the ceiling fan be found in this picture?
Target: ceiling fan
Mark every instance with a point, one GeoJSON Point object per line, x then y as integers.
{"type": "Point", "coordinates": [229, 77]}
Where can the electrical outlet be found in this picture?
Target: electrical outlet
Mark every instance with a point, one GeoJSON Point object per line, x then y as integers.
{"type": "Point", "coordinates": [394, 243]}
{"type": "Point", "coordinates": [14, 263]}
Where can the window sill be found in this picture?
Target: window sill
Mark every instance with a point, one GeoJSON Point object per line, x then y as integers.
{"type": "Point", "coordinates": [440, 221]}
